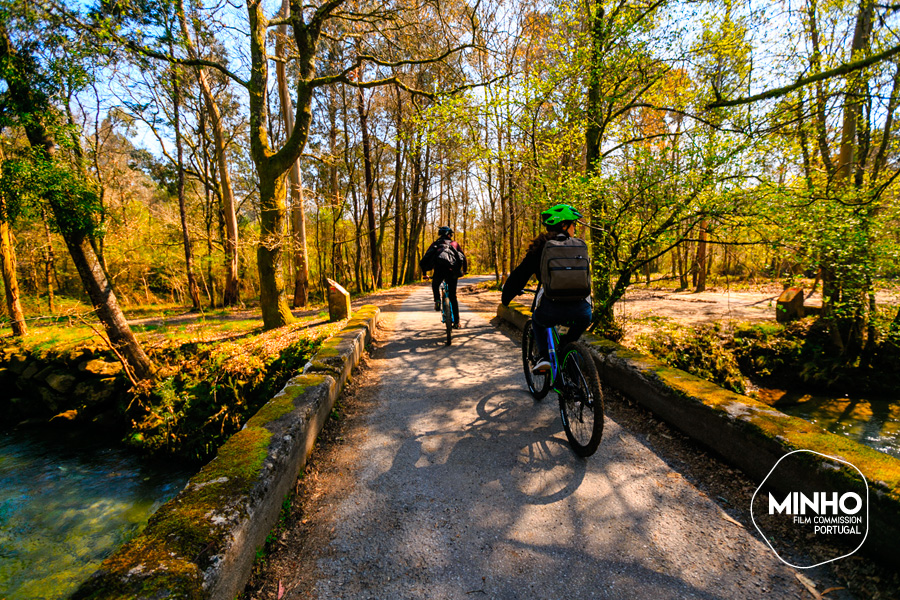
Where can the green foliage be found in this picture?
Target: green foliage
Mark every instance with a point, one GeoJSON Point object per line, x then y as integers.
{"type": "Point", "coordinates": [800, 354]}
{"type": "Point", "coordinates": [36, 180]}
{"type": "Point", "coordinates": [768, 349]}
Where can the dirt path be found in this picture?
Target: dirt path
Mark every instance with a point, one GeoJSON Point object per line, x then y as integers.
{"type": "Point", "coordinates": [446, 480]}
{"type": "Point", "coordinates": [690, 308]}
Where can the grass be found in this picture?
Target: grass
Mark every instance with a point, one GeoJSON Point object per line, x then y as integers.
{"type": "Point", "coordinates": [163, 325]}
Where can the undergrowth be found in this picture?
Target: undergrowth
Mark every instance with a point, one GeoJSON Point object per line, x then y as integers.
{"type": "Point", "coordinates": [208, 390]}
{"type": "Point", "coordinates": [785, 355]}
{"type": "Point", "coordinates": [700, 351]}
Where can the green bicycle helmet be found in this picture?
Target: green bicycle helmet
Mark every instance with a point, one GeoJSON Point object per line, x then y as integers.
{"type": "Point", "coordinates": [559, 214]}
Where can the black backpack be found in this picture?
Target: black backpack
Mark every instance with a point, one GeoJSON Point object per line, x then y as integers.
{"type": "Point", "coordinates": [447, 258]}
{"type": "Point", "coordinates": [566, 269]}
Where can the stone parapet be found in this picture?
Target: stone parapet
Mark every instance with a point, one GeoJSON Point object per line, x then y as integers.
{"type": "Point", "coordinates": [202, 543]}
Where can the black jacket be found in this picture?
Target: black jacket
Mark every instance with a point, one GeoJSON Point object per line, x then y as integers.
{"type": "Point", "coordinates": [518, 279]}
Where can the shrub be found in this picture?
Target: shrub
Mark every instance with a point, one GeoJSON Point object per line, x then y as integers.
{"type": "Point", "coordinates": [700, 351]}
{"type": "Point", "coordinates": [212, 392]}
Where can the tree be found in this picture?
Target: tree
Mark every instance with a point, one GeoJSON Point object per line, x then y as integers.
{"type": "Point", "coordinates": [8, 258]}
{"type": "Point", "coordinates": [231, 292]}
{"type": "Point", "coordinates": [58, 179]}
{"type": "Point", "coordinates": [308, 23]}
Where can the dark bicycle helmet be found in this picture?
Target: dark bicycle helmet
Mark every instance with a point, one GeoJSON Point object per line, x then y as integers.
{"type": "Point", "coordinates": [559, 214]}
{"type": "Point", "coordinates": [445, 231]}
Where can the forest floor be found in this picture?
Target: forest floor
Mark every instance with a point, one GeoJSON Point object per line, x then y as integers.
{"type": "Point", "coordinates": [320, 310]}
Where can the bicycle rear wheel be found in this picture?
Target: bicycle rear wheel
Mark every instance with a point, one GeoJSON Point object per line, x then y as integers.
{"type": "Point", "coordinates": [447, 314]}
{"type": "Point", "coordinates": [538, 383]}
{"type": "Point", "coordinates": [581, 399]}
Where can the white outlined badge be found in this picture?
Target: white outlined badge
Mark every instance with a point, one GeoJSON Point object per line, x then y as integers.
{"type": "Point", "coordinates": [766, 538]}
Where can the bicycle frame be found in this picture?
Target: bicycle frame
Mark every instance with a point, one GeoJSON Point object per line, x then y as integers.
{"type": "Point", "coordinates": [552, 342]}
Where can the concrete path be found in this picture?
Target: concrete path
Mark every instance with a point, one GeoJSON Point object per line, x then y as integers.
{"type": "Point", "coordinates": [464, 487]}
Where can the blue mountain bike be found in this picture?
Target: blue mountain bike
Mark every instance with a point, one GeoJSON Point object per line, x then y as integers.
{"type": "Point", "coordinates": [573, 376]}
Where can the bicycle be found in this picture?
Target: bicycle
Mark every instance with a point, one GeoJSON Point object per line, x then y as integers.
{"type": "Point", "coordinates": [447, 316]}
{"type": "Point", "coordinates": [576, 382]}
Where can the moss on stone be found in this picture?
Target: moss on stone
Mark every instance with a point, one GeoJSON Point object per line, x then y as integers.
{"type": "Point", "coordinates": [321, 367]}
{"type": "Point", "coordinates": [520, 308]}
{"type": "Point", "coordinates": [332, 347]}
{"type": "Point", "coordinates": [284, 402]}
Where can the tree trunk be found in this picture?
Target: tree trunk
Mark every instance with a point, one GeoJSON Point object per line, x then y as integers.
{"type": "Point", "coordinates": [600, 243]}
{"type": "Point", "coordinates": [680, 252]}
{"type": "Point", "coordinates": [854, 98]}
{"type": "Point", "coordinates": [193, 290]}
{"type": "Point", "coordinates": [10, 281]}
{"type": "Point", "coordinates": [374, 250]}
{"type": "Point", "coordinates": [273, 166]}
{"type": "Point", "coordinates": [398, 187]}
{"type": "Point", "coordinates": [415, 201]}
{"type": "Point", "coordinates": [49, 262]}
{"type": "Point", "coordinates": [275, 311]}
{"type": "Point", "coordinates": [701, 259]}
{"type": "Point", "coordinates": [847, 329]}
{"type": "Point", "coordinates": [104, 300]}
{"type": "Point", "coordinates": [208, 213]}
{"type": "Point", "coordinates": [298, 214]}
{"type": "Point", "coordinates": [231, 292]}
{"type": "Point", "coordinates": [510, 190]}
{"type": "Point", "coordinates": [504, 199]}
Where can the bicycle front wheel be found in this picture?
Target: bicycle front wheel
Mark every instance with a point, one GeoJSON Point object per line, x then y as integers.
{"type": "Point", "coordinates": [538, 383]}
{"type": "Point", "coordinates": [447, 311]}
{"type": "Point", "coordinates": [581, 399]}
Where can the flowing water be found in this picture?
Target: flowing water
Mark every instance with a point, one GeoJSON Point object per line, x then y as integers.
{"type": "Point", "coordinates": [65, 505]}
{"type": "Point", "coordinates": [874, 422]}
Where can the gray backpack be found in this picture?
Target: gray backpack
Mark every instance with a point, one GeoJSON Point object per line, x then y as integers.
{"type": "Point", "coordinates": [565, 269]}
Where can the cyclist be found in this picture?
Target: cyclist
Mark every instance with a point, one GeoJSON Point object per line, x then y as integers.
{"type": "Point", "coordinates": [448, 260]}
{"type": "Point", "coordinates": [560, 221]}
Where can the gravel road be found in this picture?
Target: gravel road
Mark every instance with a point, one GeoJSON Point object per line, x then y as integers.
{"type": "Point", "coordinates": [455, 483]}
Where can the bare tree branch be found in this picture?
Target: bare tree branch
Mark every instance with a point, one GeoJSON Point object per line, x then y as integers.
{"type": "Point", "coordinates": [844, 69]}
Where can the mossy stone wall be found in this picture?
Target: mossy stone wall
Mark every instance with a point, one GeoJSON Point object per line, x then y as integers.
{"type": "Point", "coordinates": [202, 543]}
{"type": "Point", "coordinates": [80, 385]}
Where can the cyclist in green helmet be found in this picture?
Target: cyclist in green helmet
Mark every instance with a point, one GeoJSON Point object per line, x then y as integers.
{"type": "Point", "coordinates": [575, 311]}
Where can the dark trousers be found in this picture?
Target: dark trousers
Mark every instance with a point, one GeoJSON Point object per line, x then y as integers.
{"type": "Point", "coordinates": [575, 315]}
{"type": "Point", "coordinates": [439, 277]}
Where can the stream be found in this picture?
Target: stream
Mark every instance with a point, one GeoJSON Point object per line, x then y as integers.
{"type": "Point", "coordinates": [66, 504]}
{"type": "Point", "coordinates": [874, 422]}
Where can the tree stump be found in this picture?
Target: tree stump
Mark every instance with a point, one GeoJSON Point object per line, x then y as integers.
{"type": "Point", "coordinates": [789, 306]}
{"type": "Point", "coordinates": [338, 301]}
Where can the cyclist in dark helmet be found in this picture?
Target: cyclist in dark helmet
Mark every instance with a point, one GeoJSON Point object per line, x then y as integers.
{"type": "Point", "coordinates": [574, 312]}
{"type": "Point", "coordinates": [447, 259]}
